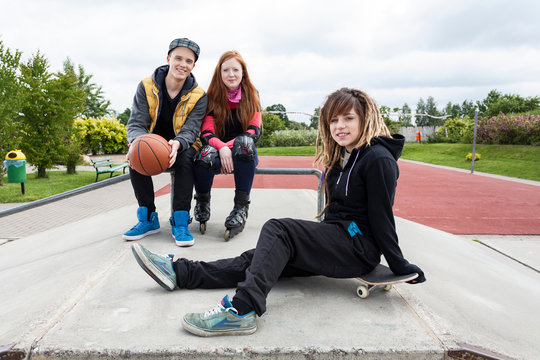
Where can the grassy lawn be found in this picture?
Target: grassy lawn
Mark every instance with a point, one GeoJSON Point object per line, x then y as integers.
{"type": "Point", "coordinates": [34, 188]}
{"type": "Point", "coordinates": [288, 151]}
{"type": "Point", "coordinates": [521, 161]}
{"type": "Point", "coordinates": [510, 160]}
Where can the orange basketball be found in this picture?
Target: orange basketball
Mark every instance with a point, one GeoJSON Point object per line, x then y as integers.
{"type": "Point", "coordinates": [149, 154]}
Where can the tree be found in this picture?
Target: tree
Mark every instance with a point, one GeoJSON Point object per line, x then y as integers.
{"type": "Point", "coordinates": [403, 117]}
{"type": "Point", "coordinates": [431, 109]}
{"type": "Point", "coordinates": [50, 104]}
{"type": "Point", "coordinates": [453, 110]}
{"type": "Point", "coordinates": [124, 116]}
{"type": "Point", "coordinates": [428, 107]}
{"type": "Point", "coordinates": [314, 121]}
{"type": "Point", "coordinates": [10, 89]}
{"type": "Point", "coordinates": [96, 105]}
{"type": "Point", "coordinates": [492, 97]}
{"type": "Point", "coordinates": [282, 113]}
{"type": "Point", "coordinates": [510, 103]}
{"type": "Point", "coordinates": [393, 126]}
{"type": "Point", "coordinates": [420, 109]}
{"type": "Point", "coordinates": [468, 108]}
{"type": "Point", "coordinates": [271, 123]}
{"type": "Point", "coordinates": [297, 125]}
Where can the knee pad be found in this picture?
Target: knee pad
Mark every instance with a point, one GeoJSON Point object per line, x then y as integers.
{"type": "Point", "coordinates": [244, 148]}
{"type": "Point", "coordinates": [206, 157]}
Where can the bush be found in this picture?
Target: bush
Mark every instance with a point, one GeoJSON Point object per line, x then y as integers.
{"type": "Point", "coordinates": [101, 136]}
{"type": "Point", "coordinates": [289, 138]}
{"type": "Point", "coordinates": [469, 157]}
{"type": "Point", "coordinates": [455, 130]}
{"type": "Point", "coordinates": [513, 129]}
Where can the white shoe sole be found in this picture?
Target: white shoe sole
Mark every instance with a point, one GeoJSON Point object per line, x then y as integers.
{"type": "Point", "coordinates": [151, 269]}
{"type": "Point", "coordinates": [184, 243]}
{"type": "Point", "coordinates": [200, 332]}
{"type": "Point", "coordinates": [137, 237]}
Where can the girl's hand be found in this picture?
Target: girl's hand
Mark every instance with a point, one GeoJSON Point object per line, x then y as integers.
{"type": "Point", "coordinates": [225, 156]}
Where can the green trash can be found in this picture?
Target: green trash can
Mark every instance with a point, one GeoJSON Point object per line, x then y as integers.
{"type": "Point", "coordinates": [15, 165]}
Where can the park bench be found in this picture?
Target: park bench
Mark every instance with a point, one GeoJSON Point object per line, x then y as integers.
{"type": "Point", "coordinates": [106, 165]}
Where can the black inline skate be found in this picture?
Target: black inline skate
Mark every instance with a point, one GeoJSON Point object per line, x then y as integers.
{"type": "Point", "coordinates": [236, 220]}
{"type": "Point", "coordinates": [202, 210]}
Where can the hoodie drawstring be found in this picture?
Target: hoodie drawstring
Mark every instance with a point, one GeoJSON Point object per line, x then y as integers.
{"type": "Point", "coordinates": [350, 170]}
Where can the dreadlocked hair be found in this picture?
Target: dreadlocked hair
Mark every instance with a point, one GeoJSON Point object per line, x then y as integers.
{"type": "Point", "coordinates": [218, 101]}
{"type": "Point", "coordinates": [340, 102]}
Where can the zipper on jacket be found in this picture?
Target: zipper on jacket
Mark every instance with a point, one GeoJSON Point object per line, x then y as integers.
{"type": "Point", "coordinates": [184, 105]}
{"type": "Point", "coordinates": [183, 111]}
{"type": "Point", "coordinates": [157, 106]}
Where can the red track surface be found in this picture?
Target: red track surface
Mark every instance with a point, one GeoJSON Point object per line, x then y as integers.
{"type": "Point", "coordinates": [448, 200]}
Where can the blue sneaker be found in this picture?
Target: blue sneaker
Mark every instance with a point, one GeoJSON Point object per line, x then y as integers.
{"type": "Point", "coordinates": [221, 320]}
{"type": "Point", "coordinates": [180, 232]}
{"type": "Point", "coordinates": [159, 267]}
{"type": "Point", "coordinates": [144, 226]}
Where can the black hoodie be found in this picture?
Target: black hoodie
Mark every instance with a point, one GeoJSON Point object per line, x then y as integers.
{"type": "Point", "coordinates": [363, 191]}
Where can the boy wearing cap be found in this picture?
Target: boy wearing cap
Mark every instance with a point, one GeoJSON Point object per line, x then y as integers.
{"type": "Point", "coordinates": [171, 104]}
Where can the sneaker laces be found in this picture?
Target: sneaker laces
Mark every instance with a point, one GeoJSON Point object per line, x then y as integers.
{"type": "Point", "coordinates": [217, 309]}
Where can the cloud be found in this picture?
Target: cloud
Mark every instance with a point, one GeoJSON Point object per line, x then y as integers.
{"type": "Point", "coordinates": [297, 51]}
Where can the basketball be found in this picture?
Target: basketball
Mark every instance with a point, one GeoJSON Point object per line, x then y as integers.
{"type": "Point", "coordinates": [149, 154]}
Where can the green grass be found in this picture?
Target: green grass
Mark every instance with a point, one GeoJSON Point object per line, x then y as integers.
{"type": "Point", "coordinates": [287, 151]}
{"type": "Point", "coordinates": [520, 161]}
{"type": "Point", "coordinates": [34, 188]}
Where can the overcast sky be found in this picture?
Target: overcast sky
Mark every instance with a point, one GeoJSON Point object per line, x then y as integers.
{"type": "Point", "coordinates": [297, 51]}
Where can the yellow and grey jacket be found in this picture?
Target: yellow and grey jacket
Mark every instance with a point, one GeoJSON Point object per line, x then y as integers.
{"type": "Point", "coordinates": [147, 104]}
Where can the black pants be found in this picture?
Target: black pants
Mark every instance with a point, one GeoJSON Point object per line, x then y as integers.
{"type": "Point", "coordinates": [183, 184]}
{"type": "Point", "coordinates": [286, 248]}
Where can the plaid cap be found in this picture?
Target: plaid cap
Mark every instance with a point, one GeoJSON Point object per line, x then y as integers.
{"type": "Point", "coordinates": [185, 42]}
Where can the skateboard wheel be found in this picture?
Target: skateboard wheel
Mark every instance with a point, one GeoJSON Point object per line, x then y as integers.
{"type": "Point", "coordinates": [362, 291]}
{"type": "Point", "coordinates": [388, 287]}
{"type": "Point", "coordinates": [202, 227]}
{"type": "Point", "coordinates": [227, 235]}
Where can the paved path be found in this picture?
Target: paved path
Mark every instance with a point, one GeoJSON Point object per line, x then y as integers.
{"type": "Point", "coordinates": [447, 199]}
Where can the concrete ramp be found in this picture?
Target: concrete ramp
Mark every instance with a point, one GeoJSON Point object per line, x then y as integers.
{"type": "Point", "coordinates": [75, 291]}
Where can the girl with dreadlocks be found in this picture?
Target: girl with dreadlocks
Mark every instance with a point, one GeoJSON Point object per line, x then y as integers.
{"type": "Point", "coordinates": [359, 156]}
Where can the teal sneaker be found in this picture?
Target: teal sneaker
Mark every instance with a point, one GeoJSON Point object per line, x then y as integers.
{"type": "Point", "coordinates": [221, 320]}
{"type": "Point", "coordinates": [180, 232]}
{"type": "Point", "coordinates": [144, 226]}
{"type": "Point", "coordinates": [159, 267]}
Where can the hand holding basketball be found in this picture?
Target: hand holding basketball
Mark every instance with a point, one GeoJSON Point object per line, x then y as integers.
{"type": "Point", "coordinates": [149, 154]}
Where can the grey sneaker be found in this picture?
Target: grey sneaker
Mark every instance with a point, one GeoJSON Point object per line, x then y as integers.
{"type": "Point", "coordinates": [159, 267]}
{"type": "Point", "coordinates": [221, 320]}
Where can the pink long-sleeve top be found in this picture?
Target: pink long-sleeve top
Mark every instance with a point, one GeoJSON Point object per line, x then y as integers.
{"type": "Point", "coordinates": [233, 128]}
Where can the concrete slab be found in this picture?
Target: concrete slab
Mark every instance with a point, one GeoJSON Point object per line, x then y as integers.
{"type": "Point", "coordinates": [74, 291]}
{"type": "Point", "coordinates": [473, 295]}
{"type": "Point", "coordinates": [522, 248]}
{"type": "Point", "coordinates": [84, 296]}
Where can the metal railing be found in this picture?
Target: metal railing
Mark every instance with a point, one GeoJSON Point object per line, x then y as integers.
{"type": "Point", "coordinates": [116, 179]}
{"type": "Point", "coordinates": [298, 171]}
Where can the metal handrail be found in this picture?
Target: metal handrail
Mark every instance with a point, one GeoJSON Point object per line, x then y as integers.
{"type": "Point", "coordinates": [298, 171]}
{"type": "Point", "coordinates": [116, 179]}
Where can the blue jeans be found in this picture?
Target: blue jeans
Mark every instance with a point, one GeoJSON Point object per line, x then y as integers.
{"type": "Point", "coordinates": [244, 172]}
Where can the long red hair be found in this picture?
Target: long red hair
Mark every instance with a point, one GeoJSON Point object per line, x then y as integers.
{"type": "Point", "coordinates": [218, 101]}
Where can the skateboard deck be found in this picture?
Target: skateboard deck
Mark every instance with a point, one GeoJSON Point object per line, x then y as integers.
{"type": "Point", "coordinates": [381, 276]}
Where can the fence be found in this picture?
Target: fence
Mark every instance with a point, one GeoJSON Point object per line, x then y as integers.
{"type": "Point", "coordinates": [425, 131]}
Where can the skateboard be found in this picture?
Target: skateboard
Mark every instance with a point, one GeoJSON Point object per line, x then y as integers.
{"type": "Point", "coordinates": [383, 277]}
